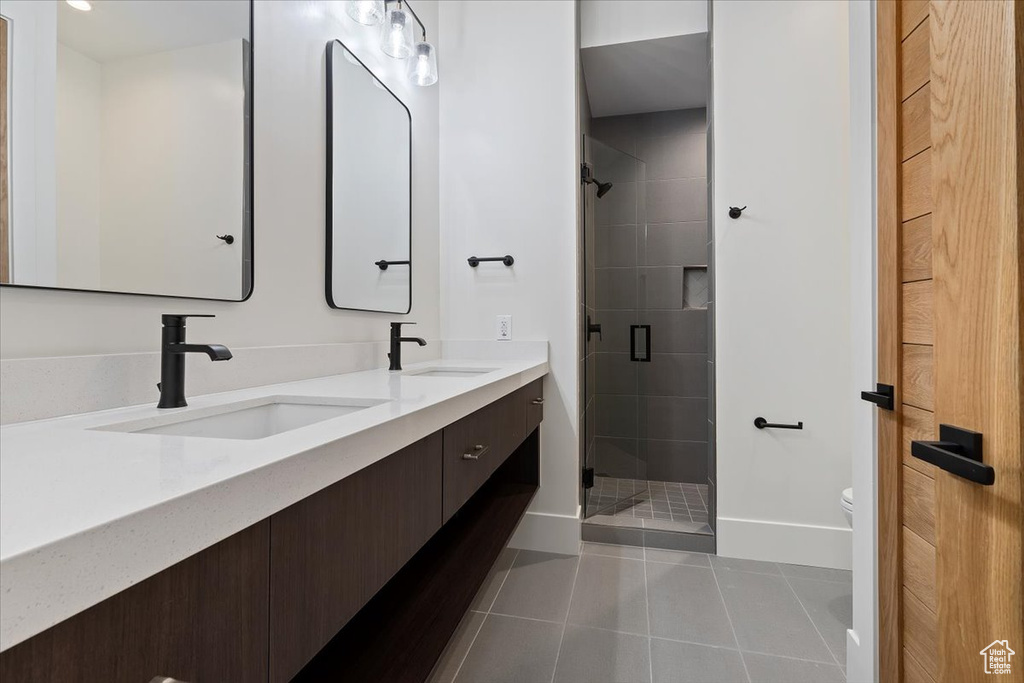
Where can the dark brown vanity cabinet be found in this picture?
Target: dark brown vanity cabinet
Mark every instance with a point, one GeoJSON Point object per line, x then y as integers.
{"type": "Point", "coordinates": [331, 552]}
{"type": "Point", "coordinates": [261, 604]}
{"type": "Point", "coordinates": [203, 619]}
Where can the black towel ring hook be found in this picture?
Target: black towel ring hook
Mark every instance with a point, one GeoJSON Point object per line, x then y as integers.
{"type": "Point", "coordinates": [735, 211]}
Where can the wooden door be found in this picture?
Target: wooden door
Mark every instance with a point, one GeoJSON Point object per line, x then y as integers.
{"type": "Point", "coordinates": [950, 265]}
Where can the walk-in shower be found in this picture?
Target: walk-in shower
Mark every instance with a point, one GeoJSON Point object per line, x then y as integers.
{"type": "Point", "coordinates": [647, 438]}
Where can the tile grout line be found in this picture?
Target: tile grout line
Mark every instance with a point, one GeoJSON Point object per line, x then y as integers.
{"type": "Point", "coordinates": [725, 605]}
{"type": "Point", "coordinates": [486, 614]}
{"type": "Point", "coordinates": [647, 610]}
{"type": "Point", "coordinates": [816, 629]}
{"type": "Point", "coordinates": [565, 623]}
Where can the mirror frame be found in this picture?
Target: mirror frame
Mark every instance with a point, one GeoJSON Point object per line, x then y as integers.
{"type": "Point", "coordinates": [329, 215]}
{"type": "Point", "coordinates": [248, 189]}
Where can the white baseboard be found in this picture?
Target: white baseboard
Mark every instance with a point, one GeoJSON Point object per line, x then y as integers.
{"type": "Point", "coordinates": [818, 546]}
{"type": "Point", "coordinates": [547, 533]}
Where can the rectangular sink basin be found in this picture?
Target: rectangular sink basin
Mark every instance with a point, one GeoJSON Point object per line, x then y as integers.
{"type": "Point", "coordinates": [449, 372]}
{"type": "Point", "coordinates": [252, 419]}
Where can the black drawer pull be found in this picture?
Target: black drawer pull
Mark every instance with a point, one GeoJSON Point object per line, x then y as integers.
{"type": "Point", "coordinates": [477, 451]}
{"type": "Point", "coordinates": [883, 396]}
{"type": "Point", "coordinates": [958, 451]}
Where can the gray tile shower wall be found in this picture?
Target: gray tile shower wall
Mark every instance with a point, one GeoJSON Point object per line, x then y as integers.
{"type": "Point", "coordinates": [650, 229]}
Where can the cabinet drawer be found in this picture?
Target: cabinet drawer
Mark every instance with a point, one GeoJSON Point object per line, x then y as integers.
{"type": "Point", "coordinates": [475, 446]}
{"type": "Point", "coordinates": [203, 620]}
{"type": "Point", "coordinates": [331, 552]}
{"type": "Point", "coordinates": [533, 398]}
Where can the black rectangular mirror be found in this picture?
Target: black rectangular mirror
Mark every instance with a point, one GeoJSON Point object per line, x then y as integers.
{"type": "Point", "coordinates": [129, 162]}
{"type": "Point", "coordinates": [369, 190]}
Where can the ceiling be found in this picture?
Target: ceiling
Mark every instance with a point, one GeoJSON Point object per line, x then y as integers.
{"type": "Point", "coordinates": [647, 75]}
{"type": "Point", "coordinates": [115, 29]}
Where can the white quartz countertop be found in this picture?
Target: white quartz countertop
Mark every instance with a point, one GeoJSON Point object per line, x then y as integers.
{"type": "Point", "coordinates": [86, 513]}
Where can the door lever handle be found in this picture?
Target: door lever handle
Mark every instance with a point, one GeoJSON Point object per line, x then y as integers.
{"type": "Point", "coordinates": [958, 452]}
{"type": "Point", "coordinates": [883, 396]}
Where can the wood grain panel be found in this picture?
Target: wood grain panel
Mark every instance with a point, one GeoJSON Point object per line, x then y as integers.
{"type": "Point", "coordinates": [889, 544]}
{"type": "Point", "coordinates": [331, 552]}
{"type": "Point", "coordinates": [918, 425]}
{"type": "Point", "coordinates": [920, 633]}
{"type": "Point", "coordinates": [203, 619]}
{"type": "Point", "coordinates": [919, 568]}
{"type": "Point", "coordinates": [978, 264]}
{"type": "Point", "coordinates": [918, 373]}
{"type": "Point", "coordinates": [917, 249]}
{"type": "Point", "coordinates": [915, 123]}
{"type": "Point", "coordinates": [918, 322]}
{"type": "Point", "coordinates": [912, 13]}
{"type": "Point", "coordinates": [914, 672]}
{"type": "Point", "coordinates": [914, 61]}
{"type": "Point", "coordinates": [919, 504]}
{"type": "Point", "coordinates": [498, 428]}
{"type": "Point", "coordinates": [916, 186]}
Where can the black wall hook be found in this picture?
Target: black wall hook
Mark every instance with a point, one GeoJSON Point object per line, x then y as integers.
{"type": "Point", "coordinates": [736, 212]}
{"type": "Point", "coordinates": [228, 239]}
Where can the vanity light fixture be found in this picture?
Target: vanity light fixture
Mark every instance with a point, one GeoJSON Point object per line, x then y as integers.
{"type": "Point", "coordinates": [396, 36]}
{"type": "Point", "coordinates": [366, 12]}
{"type": "Point", "coordinates": [81, 5]}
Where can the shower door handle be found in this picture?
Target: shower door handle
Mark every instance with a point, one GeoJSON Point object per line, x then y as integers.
{"type": "Point", "coordinates": [593, 328]}
{"type": "Point", "coordinates": [636, 355]}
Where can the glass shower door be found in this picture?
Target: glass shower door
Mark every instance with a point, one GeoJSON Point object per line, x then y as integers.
{"type": "Point", "coordinates": [616, 339]}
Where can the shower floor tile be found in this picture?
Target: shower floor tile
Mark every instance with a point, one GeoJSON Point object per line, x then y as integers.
{"type": "Point", "coordinates": [662, 505]}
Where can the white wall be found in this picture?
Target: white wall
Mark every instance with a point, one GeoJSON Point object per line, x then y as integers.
{"type": "Point", "coordinates": [509, 182]}
{"type": "Point", "coordinates": [782, 281]}
{"type": "Point", "coordinates": [862, 639]}
{"type": "Point", "coordinates": [33, 63]}
{"type": "Point", "coordinates": [79, 112]}
{"type": "Point", "coordinates": [607, 22]}
{"type": "Point", "coordinates": [288, 305]}
{"type": "Point", "coordinates": [172, 172]}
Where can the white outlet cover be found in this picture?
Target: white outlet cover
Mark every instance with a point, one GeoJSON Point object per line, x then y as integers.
{"type": "Point", "coordinates": [504, 328]}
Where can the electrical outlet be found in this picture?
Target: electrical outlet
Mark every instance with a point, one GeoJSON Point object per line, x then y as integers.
{"type": "Point", "coordinates": [504, 328]}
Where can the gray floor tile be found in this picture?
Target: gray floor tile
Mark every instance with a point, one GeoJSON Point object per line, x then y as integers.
{"type": "Point", "coordinates": [767, 669]}
{"type": "Point", "coordinates": [830, 605]}
{"type": "Point", "coordinates": [768, 618]}
{"type": "Point", "coordinates": [676, 557]}
{"type": "Point", "coordinates": [736, 564]}
{"type": "Point", "coordinates": [679, 525]}
{"type": "Point", "coordinates": [800, 571]}
{"type": "Point", "coordinates": [510, 650]}
{"type": "Point", "coordinates": [590, 655]}
{"type": "Point", "coordinates": [610, 594]}
{"type": "Point", "coordinates": [458, 645]}
{"type": "Point", "coordinates": [608, 550]}
{"type": "Point", "coordinates": [489, 590]}
{"type": "Point", "coordinates": [538, 586]}
{"type": "Point", "coordinates": [671, 540]}
{"type": "Point", "coordinates": [685, 604]}
{"type": "Point", "coordinates": [673, 662]}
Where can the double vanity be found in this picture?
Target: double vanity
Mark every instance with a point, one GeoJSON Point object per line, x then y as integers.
{"type": "Point", "coordinates": [334, 528]}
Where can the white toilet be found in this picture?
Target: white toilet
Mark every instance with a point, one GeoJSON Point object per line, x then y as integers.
{"type": "Point", "coordinates": [847, 504]}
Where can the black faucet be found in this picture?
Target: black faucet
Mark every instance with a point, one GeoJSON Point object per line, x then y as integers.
{"type": "Point", "coordinates": [172, 359]}
{"type": "Point", "coordinates": [396, 344]}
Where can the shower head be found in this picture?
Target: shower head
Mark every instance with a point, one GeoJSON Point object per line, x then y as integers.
{"type": "Point", "coordinates": [602, 189]}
